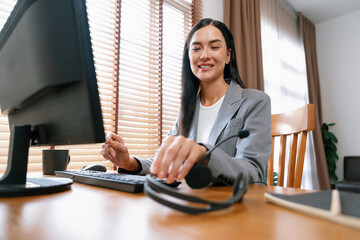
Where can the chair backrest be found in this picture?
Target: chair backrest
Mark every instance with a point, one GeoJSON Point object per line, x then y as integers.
{"type": "Point", "coordinates": [291, 124]}
{"type": "Point", "coordinates": [352, 168]}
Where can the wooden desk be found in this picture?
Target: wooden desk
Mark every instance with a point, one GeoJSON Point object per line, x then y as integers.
{"type": "Point", "coordinates": [87, 212]}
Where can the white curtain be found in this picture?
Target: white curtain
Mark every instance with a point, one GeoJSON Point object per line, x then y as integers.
{"type": "Point", "coordinates": [285, 70]}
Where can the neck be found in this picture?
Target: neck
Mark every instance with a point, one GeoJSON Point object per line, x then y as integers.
{"type": "Point", "coordinates": [212, 92]}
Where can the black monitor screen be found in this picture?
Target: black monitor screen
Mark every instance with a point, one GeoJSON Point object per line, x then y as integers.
{"type": "Point", "coordinates": [47, 76]}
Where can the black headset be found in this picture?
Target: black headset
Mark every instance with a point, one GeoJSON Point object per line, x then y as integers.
{"type": "Point", "coordinates": [199, 176]}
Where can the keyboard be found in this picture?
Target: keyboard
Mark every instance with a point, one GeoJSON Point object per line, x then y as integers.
{"type": "Point", "coordinates": [117, 181]}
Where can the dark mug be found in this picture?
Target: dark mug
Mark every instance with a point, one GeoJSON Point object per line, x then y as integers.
{"type": "Point", "coordinates": [55, 160]}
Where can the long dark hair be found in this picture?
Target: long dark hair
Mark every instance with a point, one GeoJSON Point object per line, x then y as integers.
{"type": "Point", "coordinates": [190, 83]}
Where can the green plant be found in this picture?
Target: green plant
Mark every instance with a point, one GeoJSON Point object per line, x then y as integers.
{"type": "Point", "coordinates": [274, 177]}
{"type": "Point", "coordinates": [330, 148]}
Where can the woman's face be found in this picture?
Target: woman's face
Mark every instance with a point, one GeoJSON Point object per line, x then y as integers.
{"type": "Point", "coordinates": [208, 54]}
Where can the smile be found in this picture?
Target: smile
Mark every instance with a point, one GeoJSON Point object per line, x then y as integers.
{"type": "Point", "coordinates": [205, 66]}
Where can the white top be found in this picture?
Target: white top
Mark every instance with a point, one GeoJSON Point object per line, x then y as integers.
{"type": "Point", "coordinates": [207, 116]}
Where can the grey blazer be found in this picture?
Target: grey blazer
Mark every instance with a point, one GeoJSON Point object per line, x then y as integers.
{"type": "Point", "coordinates": [242, 109]}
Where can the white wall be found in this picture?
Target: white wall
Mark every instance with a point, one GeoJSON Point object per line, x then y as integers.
{"type": "Point", "coordinates": [338, 49]}
{"type": "Point", "coordinates": [214, 9]}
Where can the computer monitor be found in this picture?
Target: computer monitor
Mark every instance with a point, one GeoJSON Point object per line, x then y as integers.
{"type": "Point", "coordinates": [48, 87]}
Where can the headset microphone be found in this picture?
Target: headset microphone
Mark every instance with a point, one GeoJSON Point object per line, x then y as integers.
{"type": "Point", "coordinates": [199, 175]}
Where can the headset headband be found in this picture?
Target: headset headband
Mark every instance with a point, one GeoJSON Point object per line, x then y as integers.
{"type": "Point", "coordinates": [153, 188]}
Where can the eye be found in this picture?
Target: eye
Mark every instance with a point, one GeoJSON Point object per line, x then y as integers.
{"type": "Point", "coordinates": [215, 48]}
{"type": "Point", "coordinates": [195, 49]}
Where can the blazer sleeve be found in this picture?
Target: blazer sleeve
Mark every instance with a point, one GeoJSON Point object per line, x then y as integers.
{"type": "Point", "coordinates": [248, 155]}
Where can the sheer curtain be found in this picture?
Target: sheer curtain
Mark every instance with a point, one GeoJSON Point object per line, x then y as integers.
{"type": "Point", "coordinates": [285, 70]}
{"type": "Point", "coordinates": [308, 33]}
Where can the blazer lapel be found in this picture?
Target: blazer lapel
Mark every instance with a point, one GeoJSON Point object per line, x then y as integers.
{"type": "Point", "coordinates": [230, 105]}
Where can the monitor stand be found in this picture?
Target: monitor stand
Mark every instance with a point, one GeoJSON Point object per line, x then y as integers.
{"type": "Point", "coordinates": [14, 182]}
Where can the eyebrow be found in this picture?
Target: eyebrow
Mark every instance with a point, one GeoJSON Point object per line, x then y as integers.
{"type": "Point", "coordinates": [212, 41]}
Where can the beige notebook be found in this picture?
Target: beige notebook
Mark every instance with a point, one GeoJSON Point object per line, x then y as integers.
{"type": "Point", "coordinates": [333, 205]}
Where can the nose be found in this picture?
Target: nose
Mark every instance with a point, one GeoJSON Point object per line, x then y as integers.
{"type": "Point", "coordinates": [205, 54]}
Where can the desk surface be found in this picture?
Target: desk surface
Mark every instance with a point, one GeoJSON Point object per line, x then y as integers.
{"type": "Point", "coordinates": [87, 212]}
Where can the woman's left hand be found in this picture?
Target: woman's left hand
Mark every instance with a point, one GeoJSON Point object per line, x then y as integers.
{"type": "Point", "coordinates": [175, 158]}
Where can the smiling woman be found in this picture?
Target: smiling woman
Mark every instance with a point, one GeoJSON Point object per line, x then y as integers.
{"type": "Point", "coordinates": [209, 79]}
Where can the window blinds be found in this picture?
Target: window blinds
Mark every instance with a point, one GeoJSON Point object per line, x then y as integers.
{"type": "Point", "coordinates": [137, 48]}
{"type": "Point", "coordinates": [139, 65]}
{"type": "Point", "coordinates": [177, 22]}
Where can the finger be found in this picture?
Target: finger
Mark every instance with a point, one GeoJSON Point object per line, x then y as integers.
{"type": "Point", "coordinates": [111, 151]}
{"type": "Point", "coordinates": [113, 137]}
{"type": "Point", "coordinates": [103, 147]}
{"type": "Point", "coordinates": [155, 166]}
{"type": "Point", "coordinates": [113, 146]}
{"type": "Point", "coordinates": [106, 154]}
{"type": "Point", "coordinates": [170, 155]}
{"type": "Point", "coordinates": [117, 138]}
{"type": "Point", "coordinates": [103, 150]}
{"type": "Point", "coordinates": [106, 149]}
{"type": "Point", "coordinates": [108, 137]}
{"type": "Point", "coordinates": [192, 158]}
{"type": "Point", "coordinates": [180, 159]}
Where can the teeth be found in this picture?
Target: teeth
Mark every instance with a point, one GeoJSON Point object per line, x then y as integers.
{"type": "Point", "coordinates": [205, 66]}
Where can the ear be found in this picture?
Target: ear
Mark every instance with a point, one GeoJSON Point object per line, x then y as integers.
{"type": "Point", "coordinates": [228, 57]}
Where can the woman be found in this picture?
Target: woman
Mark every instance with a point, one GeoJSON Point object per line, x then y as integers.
{"type": "Point", "coordinates": [214, 106]}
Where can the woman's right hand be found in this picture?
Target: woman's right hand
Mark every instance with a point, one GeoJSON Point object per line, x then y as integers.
{"type": "Point", "coordinates": [115, 150]}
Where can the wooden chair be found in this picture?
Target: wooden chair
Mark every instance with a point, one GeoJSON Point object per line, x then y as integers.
{"type": "Point", "coordinates": [283, 125]}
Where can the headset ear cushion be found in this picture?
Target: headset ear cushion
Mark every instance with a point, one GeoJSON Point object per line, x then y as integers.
{"type": "Point", "coordinates": [199, 177]}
